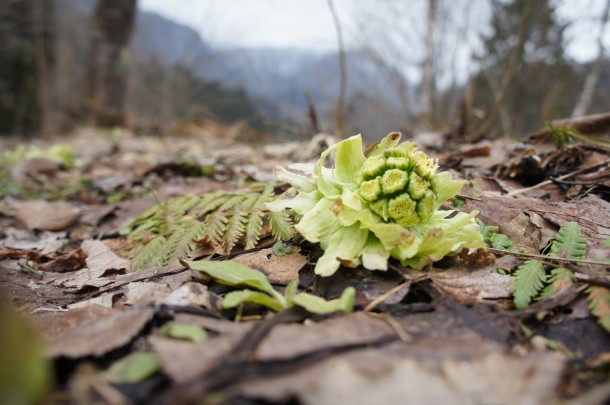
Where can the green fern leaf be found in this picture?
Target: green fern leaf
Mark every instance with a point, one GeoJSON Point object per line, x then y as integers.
{"type": "Point", "coordinates": [223, 217]}
{"type": "Point", "coordinates": [253, 229]}
{"type": "Point", "coordinates": [208, 203]}
{"type": "Point", "coordinates": [232, 202]}
{"type": "Point", "coordinates": [215, 226]}
{"type": "Point", "coordinates": [569, 241]}
{"type": "Point", "coordinates": [599, 305]}
{"type": "Point", "coordinates": [149, 256]}
{"type": "Point", "coordinates": [182, 242]}
{"type": "Point", "coordinates": [234, 232]}
{"type": "Point", "coordinates": [561, 279]}
{"type": "Point", "coordinates": [281, 225]}
{"type": "Point", "coordinates": [529, 279]}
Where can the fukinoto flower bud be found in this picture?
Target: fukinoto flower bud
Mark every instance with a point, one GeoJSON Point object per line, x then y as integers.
{"type": "Point", "coordinates": [393, 183]}
{"type": "Point", "coordinates": [384, 204]}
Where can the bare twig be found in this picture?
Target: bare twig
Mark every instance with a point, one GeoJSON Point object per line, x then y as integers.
{"type": "Point", "coordinates": [342, 75]}
{"type": "Point", "coordinates": [509, 75]}
{"type": "Point", "coordinates": [547, 182]}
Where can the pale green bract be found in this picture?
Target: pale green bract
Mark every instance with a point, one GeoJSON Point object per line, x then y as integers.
{"type": "Point", "coordinates": [368, 208]}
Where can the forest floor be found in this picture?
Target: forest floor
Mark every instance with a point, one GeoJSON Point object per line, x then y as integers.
{"type": "Point", "coordinates": [447, 334]}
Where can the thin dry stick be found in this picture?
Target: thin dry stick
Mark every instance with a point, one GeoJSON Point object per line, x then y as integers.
{"type": "Point", "coordinates": [547, 182]}
{"type": "Point", "coordinates": [542, 257]}
{"type": "Point", "coordinates": [373, 304]}
{"type": "Point", "coordinates": [509, 74]}
{"type": "Point", "coordinates": [402, 334]}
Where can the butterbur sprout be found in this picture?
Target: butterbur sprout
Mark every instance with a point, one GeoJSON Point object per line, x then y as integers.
{"type": "Point", "coordinates": [373, 205]}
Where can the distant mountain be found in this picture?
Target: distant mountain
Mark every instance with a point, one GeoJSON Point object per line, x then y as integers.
{"type": "Point", "coordinates": [168, 41]}
{"type": "Point", "coordinates": [276, 79]}
{"type": "Point", "coordinates": [279, 78]}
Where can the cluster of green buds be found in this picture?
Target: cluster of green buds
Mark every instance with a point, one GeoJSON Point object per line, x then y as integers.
{"type": "Point", "coordinates": [400, 184]}
{"type": "Point", "coordinates": [375, 204]}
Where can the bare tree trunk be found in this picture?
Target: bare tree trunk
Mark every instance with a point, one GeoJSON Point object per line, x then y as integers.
{"type": "Point", "coordinates": [508, 75]}
{"type": "Point", "coordinates": [588, 90]}
{"type": "Point", "coordinates": [41, 18]}
{"type": "Point", "coordinates": [106, 77]}
{"type": "Point", "coordinates": [427, 86]}
{"type": "Point", "coordinates": [340, 113]}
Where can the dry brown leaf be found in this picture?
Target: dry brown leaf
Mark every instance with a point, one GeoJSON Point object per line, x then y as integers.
{"type": "Point", "coordinates": [52, 324]}
{"type": "Point", "coordinates": [99, 336]}
{"type": "Point", "coordinates": [100, 261]}
{"type": "Point", "coordinates": [100, 257]}
{"type": "Point", "coordinates": [219, 326]}
{"type": "Point", "coordinates": [278, 269]}
{"type": "Point", "coordinates": [512, 216]}
{"type": "Point", "coordinates": [105, 300]}
{"type": "Point", "coordinates": [452, 370]}
{"type": "Point", "coordinates": [183, 361]}
{"type": "Point", "coordinates": [194, 294]}
{"type": "Point", "coordinates": [288, 341]}
{"type": "Point", "coordinates": [35, 167]}
{"type": "Point", "coordinates": [47, 216]}
{"type": "Point", "coordinates": [471, 287]}
{"type": "Point", "coordinates": [77, 279]}
{"type": "Point", "coordinates": [46, 242]}
{"type": "Point", "coordinates": [144, 292]}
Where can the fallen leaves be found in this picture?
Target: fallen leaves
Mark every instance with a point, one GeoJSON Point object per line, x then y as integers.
{"type": "Point", "coordinates": [100, 335]}
{"type": "Point", "coordinates": [163, 333]}
{"type": "Point", "coordinates": [47, 216]}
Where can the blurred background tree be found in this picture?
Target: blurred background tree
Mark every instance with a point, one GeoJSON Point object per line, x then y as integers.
{"type": "Point", "coordinates": [105, 96]}
{"type": "Point", "coordinates": [472, 68]}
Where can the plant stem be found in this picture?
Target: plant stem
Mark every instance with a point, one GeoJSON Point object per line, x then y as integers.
{"type": "Point", "coordinates": [543, 257]}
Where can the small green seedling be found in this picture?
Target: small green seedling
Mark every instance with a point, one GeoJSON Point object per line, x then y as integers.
{"type": "Point", "coordinates": [262, 292]}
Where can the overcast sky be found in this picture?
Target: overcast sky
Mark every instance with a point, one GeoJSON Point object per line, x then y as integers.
{"type": "Point", "coordinates": [309, 24]}
{"type": "Point", "coordinates": [256, 23]}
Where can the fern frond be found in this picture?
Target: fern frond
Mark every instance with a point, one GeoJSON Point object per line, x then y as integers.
{"type": "Point", "coordinates": [234, 232]}
{"type": "Point", "coordinates": [599, 305]}
{"type": "Point", "coordinates": [149, 256]}
{"type": "Point", "coordinates": [253, 229]}
{"type": "Point", "coordinates": [222, 217]}
{"type": "Point", "coordinates": [528, 279]}
{"type": "Point", "coordinates": [232, 202]}
{"type": "Point", "coordinates": [182, 242]}
{"type": "Point", "coordinates": [561, 279]}
{"type": "Point", "coordinates": [570, 241]}
{"type": "Point", "coordinates": [215, 226]}
{"type": "Point", "coordinates": [282, 227]}
{"type": "Point", "coordinates": [208, 203]}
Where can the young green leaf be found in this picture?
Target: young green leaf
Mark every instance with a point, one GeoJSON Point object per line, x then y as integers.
{"type": "Point", "coordinates": [561, 279]}
{"type": "Point", "coordinates": [529, 280]}
{"type": "Point", "coordinates": [279, 249]}
{"type": "Point", "coordinates": [493, 238]}
{"type": "Point", "coordinates": [458, 202]}
{"type": "Point", "coordinates": [501, 241]}
{"type": "Point", "coordinates": [569, 241]}
{"type": "Point", "coordinates": [599, 305]}
{"type": "Point", "coordinates": [234, 298]}
{"type": "Point", "coordinates": [183, 331]}
{"type": "Point", "coordinates": [133, 368]}
{"type": "Point", "coordinates": [232, 273]}
{"type": "Point", "coordinates": [317, 305]}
